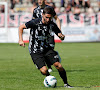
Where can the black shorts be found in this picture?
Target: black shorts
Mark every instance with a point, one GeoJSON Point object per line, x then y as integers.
{"type": "Point", "coordinates": [41, 58]}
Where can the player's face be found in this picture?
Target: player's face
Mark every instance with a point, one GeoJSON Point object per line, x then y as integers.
{"type": "Point", "coordinates": [41, 2]}
{"type": "Point", "coordinates": [46, 18]}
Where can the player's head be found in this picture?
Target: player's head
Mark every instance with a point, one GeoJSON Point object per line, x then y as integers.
{"type": "Point", "coordinates": [47, 14]}
{"type": "Point", "coordinates": [41, 2]}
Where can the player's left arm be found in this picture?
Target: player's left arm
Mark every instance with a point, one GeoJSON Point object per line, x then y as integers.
{"type": "Point", "coordinates": [61, 36]}
{"type": "Point", "coordinates": [57, 21]}
{"type": "Point", "coordinates": [58, 32]}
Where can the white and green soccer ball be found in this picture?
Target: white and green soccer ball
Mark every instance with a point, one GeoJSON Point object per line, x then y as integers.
{"type": "Point", "coordinates": [50, 81]}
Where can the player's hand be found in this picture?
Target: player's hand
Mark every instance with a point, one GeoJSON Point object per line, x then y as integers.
{"type": "Point", "coordinates": [21, 43]}
{"type": "Point", "coordinates": [61, 36]}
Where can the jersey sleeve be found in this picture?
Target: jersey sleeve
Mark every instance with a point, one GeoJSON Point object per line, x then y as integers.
{"type": "Point", "coordinates": [56, 29]}
{"type": "Point", "coordinates": [30, 24]}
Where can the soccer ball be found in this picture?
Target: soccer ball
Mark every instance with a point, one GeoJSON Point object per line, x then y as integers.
{"type": "Point", "coordinates": [50, 81]}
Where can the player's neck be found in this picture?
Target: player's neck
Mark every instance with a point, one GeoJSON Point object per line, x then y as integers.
{"type": "Point", "coordinates": [42, 20]}
{"type": "Point", "coordinates": [42, 6]}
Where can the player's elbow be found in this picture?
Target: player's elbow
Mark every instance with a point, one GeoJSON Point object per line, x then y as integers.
{"type": "Point", "coordinates": [21, 27]}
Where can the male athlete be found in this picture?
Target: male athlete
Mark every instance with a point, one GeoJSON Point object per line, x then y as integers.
{"type": "Point", "coordinates": [39, 47]}
{"type": "Point", "coordinates": [37, 13]}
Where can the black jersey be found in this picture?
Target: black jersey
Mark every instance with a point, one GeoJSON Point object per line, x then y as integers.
{"type": "Point", "coordinates": [40, 33]}
{"type": "Point", "coordinates": [37, 13]}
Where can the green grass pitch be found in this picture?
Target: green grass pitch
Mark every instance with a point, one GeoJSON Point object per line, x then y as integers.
{"type": "Point", "coordinates": [80, 60]}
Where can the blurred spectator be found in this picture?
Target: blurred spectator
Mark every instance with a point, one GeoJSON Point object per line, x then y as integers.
{"type": "Point", "coordinates": [98, 1]}
{"type": "Point", "coordinates": [76, 2]}
{"type": "Point", "coordinates": [13, 2]}
{"type": "Point", "coordinates": [62, 10]}
{"type": "Point", "coordinates": [76, 10]}
{"type": "Point", "coordinates": [51, 3]}
{"type": "Point", "coordinates": [2, 8]}
{"type": "Point", "coordinates": [48, 1]}
{"type": "Point", "coordinates": [33, 7]}
{"type": "Point", "coordinates": [99, 10]}
{"type": "Point", "coordinates": [20, 1]}
{"type": "Point", "coordinates": [33, 1]}
{"type": "Point", "coordinates": [68, 9]}
{"type": "Point", "coordinates": [71, 2]}
{"type": "Point", "coordinates": [90, 11]}
{"type": "Point", "coordinates": [57, 10]}
{"type": "Point", "coordinates": [86, 4]}
{"type": "Point", "coordinates": [62, 3]}
{"type": "Point", "coordinates": [80, 3]}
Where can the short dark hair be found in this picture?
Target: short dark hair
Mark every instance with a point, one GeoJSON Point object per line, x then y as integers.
{"type": "Point", "coordinates": [48, 10]}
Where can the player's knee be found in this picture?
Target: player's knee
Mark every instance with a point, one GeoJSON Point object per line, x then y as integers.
{"type": "Point", "coordinates": [44, 70]}
{"type": "Point", "coordinates": [58, 65]}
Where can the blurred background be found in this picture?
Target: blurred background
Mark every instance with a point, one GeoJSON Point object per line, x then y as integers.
{"type": "Point", "coordinates": [80, 19]}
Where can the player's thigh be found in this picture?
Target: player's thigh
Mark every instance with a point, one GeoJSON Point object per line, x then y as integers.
{"type": "Point", "coordinates": [52, 56]}
{"type": "Point", "coordinates": [38, 59]}
{"type": "Point", "coordinates": [58, 56]}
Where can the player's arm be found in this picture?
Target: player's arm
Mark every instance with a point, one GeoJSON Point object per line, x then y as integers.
{"type": "Point", "coordinates": [29, 24]}
{"type": "Point", "coordinates": [61, 36]}
{"type": "Point", "coordinates": [58, 32]}
{"type": "Point", "coordinates": [57, 21]}
{"type": "Point", "coordinates": [21, 27]}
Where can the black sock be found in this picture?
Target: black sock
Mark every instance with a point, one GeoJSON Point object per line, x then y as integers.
{"type": "Point", "coordinates": [63, 76]}
{"type": "Point", "coordinates": [47, 73]}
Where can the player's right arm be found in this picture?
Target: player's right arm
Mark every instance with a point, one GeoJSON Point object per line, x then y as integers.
{"type": "Point", "coordinates": [29, 24]}
{"type": "Point", "coordinates": [21, 27]}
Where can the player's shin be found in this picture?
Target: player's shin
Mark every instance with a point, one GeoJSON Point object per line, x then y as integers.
{"type": "Point", "coordinates": [63, 75]}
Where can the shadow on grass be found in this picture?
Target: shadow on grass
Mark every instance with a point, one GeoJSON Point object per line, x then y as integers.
{"type": "Point", "coordinates": [75, 70]}
{"type": "Point", "coordinates": [71, 70]}
{"type": "Point", "coordinates": [81, 87]}
{"type": "Point", "coordinates": [75, 87]}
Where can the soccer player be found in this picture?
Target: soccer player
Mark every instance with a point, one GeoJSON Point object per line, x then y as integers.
{"type": "Point", "coordinates": [37, 13]}
{"type": "Point", "coordinates": [39, 47]}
